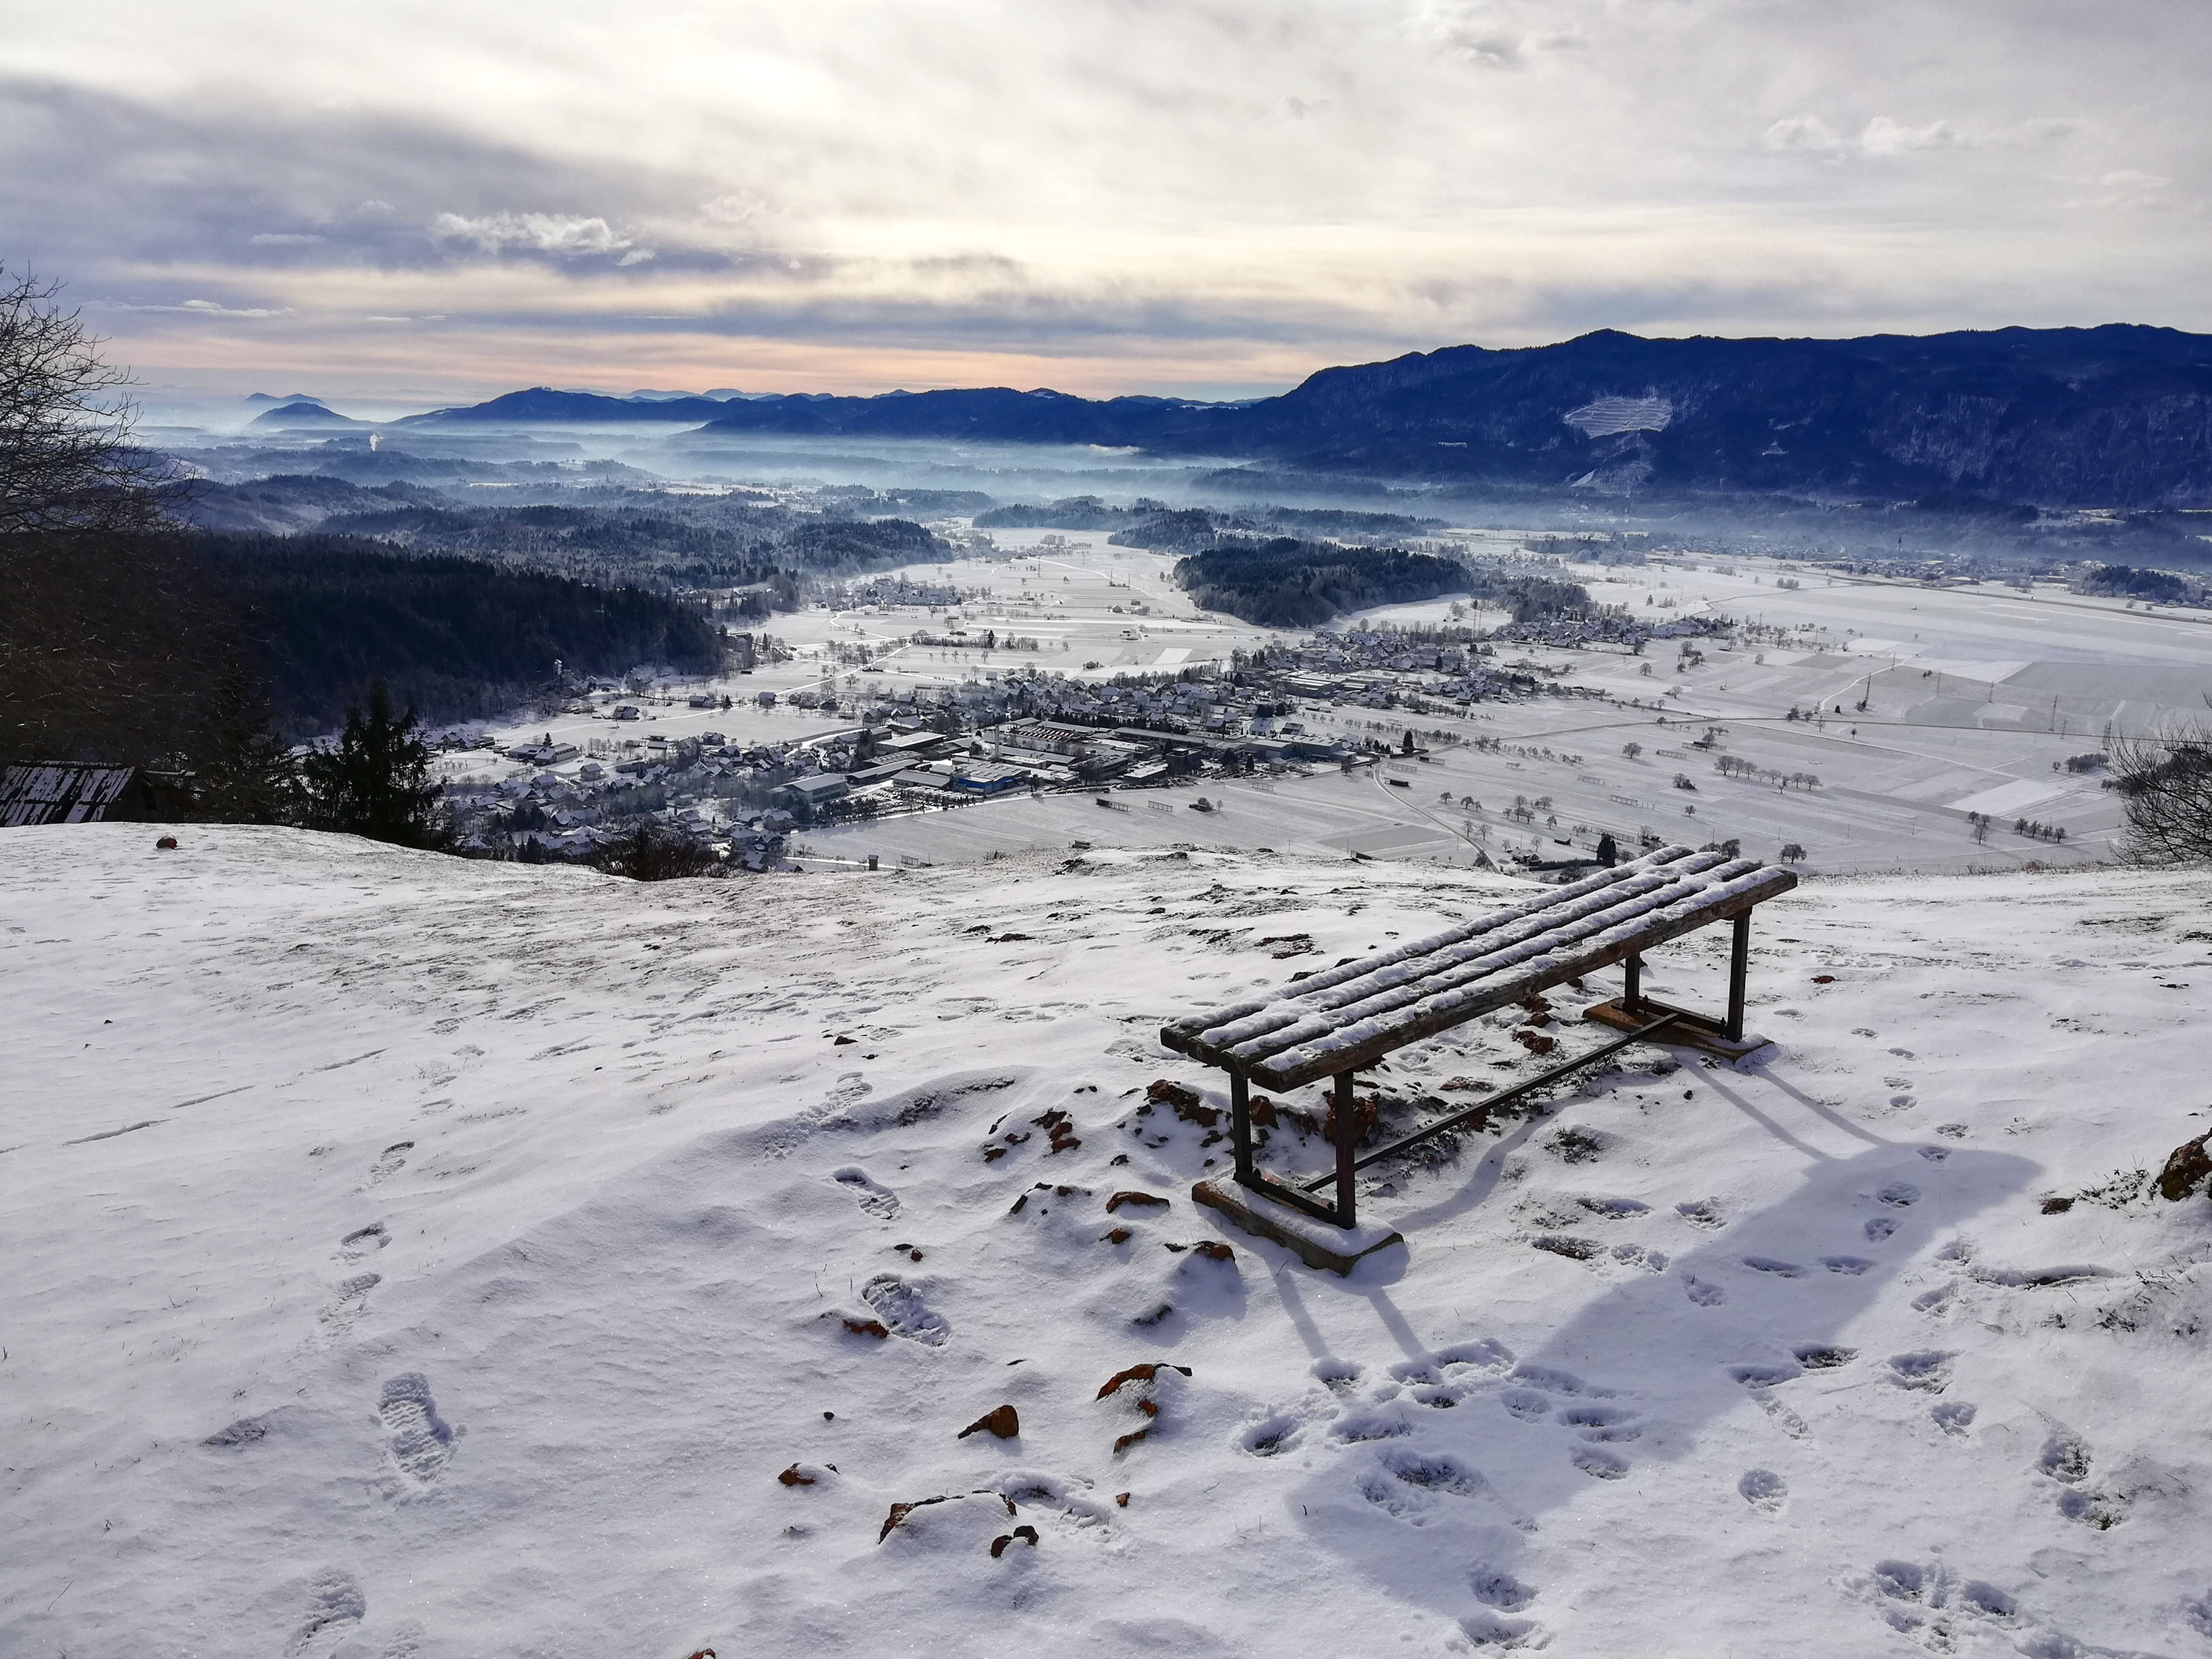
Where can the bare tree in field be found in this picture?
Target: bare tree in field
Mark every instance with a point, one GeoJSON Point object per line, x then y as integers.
{"type": "Point", "coordinates": [67, 461]}
{"type": "Point", "coordinates": [2165, 785]}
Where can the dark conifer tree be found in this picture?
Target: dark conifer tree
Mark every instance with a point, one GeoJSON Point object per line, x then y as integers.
{"type": "Point", "coordinates": [376, 782]}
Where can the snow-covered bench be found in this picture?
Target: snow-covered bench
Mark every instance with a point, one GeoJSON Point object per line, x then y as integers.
{"type": "Point", "coordinates": [1331, 1023]}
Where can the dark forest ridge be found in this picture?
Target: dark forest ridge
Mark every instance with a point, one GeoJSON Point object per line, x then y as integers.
{"type": "Point", "coordinates": [2119, 415]}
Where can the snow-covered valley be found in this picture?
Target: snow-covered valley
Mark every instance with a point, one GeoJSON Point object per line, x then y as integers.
{"type": "Point", "coordinates": [408, 1256]}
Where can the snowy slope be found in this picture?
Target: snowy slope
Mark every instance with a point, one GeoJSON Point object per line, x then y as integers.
{"type": "Point", "coordinates": [407, 1256]}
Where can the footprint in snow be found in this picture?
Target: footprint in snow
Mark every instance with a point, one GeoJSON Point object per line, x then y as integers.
{"type": "Point", "coordinates": [1928, 1371]}
{"type": "Point", "coordinates": [390, 1161]}
{"type": "Point", "coordinates": [363, 1240]}
{"type": "Point", "coordinates": [876, 1199]}
{"type": "Point", "coordinates": [1700, 1292]}
{"type": "Point", "coordinates": [2065, 1457]}
{"type": "Point", "coordinates": [903, 1311]}
{"type": "Point", "coordinates": [1601, 1422]}
{"type": "Point", "coordinates": [1934, 1609]}
{"type": "Point", "coordinates": [1596, 1461]}
{"type": "Point", "coordinates": [1760, 1381]}
{"type": "Point", "coordinates": [1764, 1490]}
{"type": "Point", "coordinates": [1486, 1629]}
{"type": "Point", "coordinates": [418, 1441]}
{"type": "Point", "coordinates": [335, 1606]}
{"type": "Point", "coordinates": [1952, 1416]}
{"type": "Point", "coordinates": [1405, 1483]}
{"type": "Point", "coordinates": [352, 1299]}
{"type": "Point", "coordinates": [1495, 1588]}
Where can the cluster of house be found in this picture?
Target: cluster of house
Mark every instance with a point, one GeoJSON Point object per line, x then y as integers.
{"type": "Point", "coordinates": [917, 749]}
{"type": "Point", "coordinates": [890, 591]}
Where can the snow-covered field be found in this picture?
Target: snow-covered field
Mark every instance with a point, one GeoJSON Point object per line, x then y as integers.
{"type": "Point", "coordinates": [412, 1257]}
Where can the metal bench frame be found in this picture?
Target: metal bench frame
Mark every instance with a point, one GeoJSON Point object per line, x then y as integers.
{"type": "Point", "coordinates": [1692, 890]}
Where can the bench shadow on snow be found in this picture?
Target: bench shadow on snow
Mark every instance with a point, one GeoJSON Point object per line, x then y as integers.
{"type": "Point", "coordinates": [1436, 1506]}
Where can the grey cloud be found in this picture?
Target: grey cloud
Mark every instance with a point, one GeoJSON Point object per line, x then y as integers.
{"type": "Point", "coordinates": [94, 178]}
{"type": "Point", "coordinates": [1205, 182]}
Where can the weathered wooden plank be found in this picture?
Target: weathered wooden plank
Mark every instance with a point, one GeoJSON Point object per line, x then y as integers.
{"type": "Point", "coordinates": [1672, 859]}
{"type": "Point", "coordinates": [1305, 1014]}
{"type": "Point", "coordinates": [1384, 1002]}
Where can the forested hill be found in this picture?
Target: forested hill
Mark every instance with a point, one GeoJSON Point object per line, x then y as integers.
{"type": "Point", "coordinates": [1289, 583]}
{"type": "Point", "coordinates": [456, 637]}
{"type": "Point", "coordinates": [1292, 583]}
{"type": "Point", "coordinates": [2111, 416]}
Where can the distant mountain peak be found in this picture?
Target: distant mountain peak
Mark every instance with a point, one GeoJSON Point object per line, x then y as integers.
{"type": "Point", "coordinates": [2117, 415]}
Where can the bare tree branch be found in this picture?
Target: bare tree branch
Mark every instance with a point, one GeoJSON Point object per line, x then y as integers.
{"type": "Point", "coordinates": [2165, 783]}
{"type": "Point", "coordinates": [67, 458]}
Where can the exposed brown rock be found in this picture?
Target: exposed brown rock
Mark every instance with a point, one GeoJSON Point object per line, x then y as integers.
{"type": "Point", "coordinates": [1137, 1198]}
{"type": "Point", "coordinates": [1215, 1250]}
{"type": "Point", "coordinates": [1131, 1439]}
{"type": "Point", "coordinates": [792, 1477]}
{"type": "Point", "coordinates": [1005, 1423]}
{"type": "Point", "coordinates": [1535, 1041]}
{"type": "Point", "coordinates": [2186, 1169]}
{"type": "Point", "coordinates": [1365, 1110]}
{"type": "Point", "coordinates": [874, 1327]}
{"type": "Point", "coordinates": [900, 1511]}
{"type": "Point", "coordinates": [1119, 1236]}
{"type": "Point", "coordinates": [1144, 1373]}
{"type": "Point", "coordinates": [1122, 1500]}
{"type": "Point", "coordinates": [1824, 979]}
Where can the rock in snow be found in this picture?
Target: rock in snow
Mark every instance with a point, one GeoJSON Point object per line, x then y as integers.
{"type": "Point", "coordinates": [1883, 1342]}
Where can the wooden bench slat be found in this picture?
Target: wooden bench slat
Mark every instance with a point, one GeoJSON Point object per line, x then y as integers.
{"type": "Point", "coordinates": [1195, 1024]}
{"type": "Point", "coordinates": [1307, 1012]}
{"type": "Point", "coordinates": [1354, 1047]}
{"type": "Point", "coordinates": [1535, 937]}
{"type": "Point", "coordinates": [1353, 1015]}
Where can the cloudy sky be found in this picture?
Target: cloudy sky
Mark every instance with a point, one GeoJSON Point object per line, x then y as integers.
{"type": "Point", "coordinates": [431, 201]}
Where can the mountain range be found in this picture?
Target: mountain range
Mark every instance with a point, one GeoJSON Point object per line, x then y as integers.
{"type": "Point", "coordinates": [2113, 417]}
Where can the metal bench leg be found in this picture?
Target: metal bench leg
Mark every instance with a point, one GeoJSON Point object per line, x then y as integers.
{"type": "Point", "coordinates": [1631, 997]}
{"type": "Point", "coordinates": [1347, 1135]}
{"type": "Point", "coordinates": [1240, 1126]}
{"type": "Point", "coordinates": [1738, 970]}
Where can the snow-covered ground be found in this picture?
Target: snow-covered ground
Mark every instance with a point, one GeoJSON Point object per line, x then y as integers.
{"type": "Point", "coordinates": [413, 1257]}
